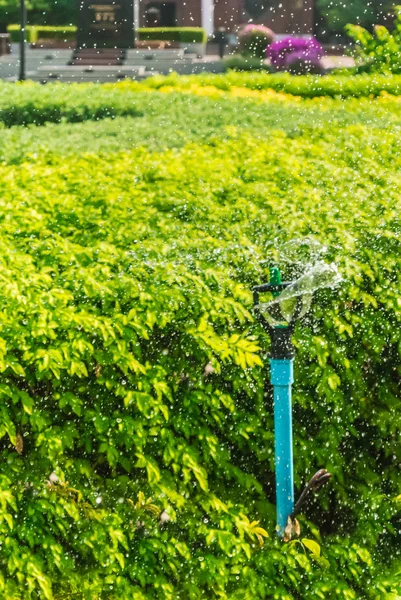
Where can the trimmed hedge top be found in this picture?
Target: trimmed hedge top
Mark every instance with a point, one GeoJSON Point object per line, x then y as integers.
{"type": "Point", "coordinates": [35, 33]}
{"type": "Point", "coordinates": [184, 35]}
{"type": "Point", "coordinates": [173, 34]}
{"type": "Point", "coordinates": [306, 86]}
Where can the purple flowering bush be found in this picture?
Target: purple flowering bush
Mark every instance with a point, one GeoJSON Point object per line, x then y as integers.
{"type": "Point", "coordinates": [297, 55]}
{"type": "Point", "coordinates": [254, 39]}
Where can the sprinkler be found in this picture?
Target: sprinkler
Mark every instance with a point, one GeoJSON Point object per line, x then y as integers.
{"type": "Point", "coordinates": [290, 301]}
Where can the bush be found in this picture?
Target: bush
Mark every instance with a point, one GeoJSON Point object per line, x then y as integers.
{"type": "Point", "coordinates": [136, 427]}
{"type": "Point", "coordinates": [136, 430]}
{"type": "Point", "coordinates": [333, 15]}
{"type": "Point", "coordinates": [381, 51]}
{"type": "Point", "coordinates": [40, 12]}
{"type": "Point", "coordinates": [254, 39]}
{"type": "Point", "coordinates": [296, 54]}
{"type": "Point", "coordinates": [298, 64]}
{"type": "Point", "coordinates": [185, 35]}
{"type": "Point", "coordinates": [14, 31]}
{"type": "Point", "coordinates": [192, 110]}
{"type": "Point", "coordinates": [33, 33]}
{"type": "Point", "coordinates": [34, 104]}
{"type": "Point", "coordinates": [28, 104]}
{"type": "Point", "coordinates": [245, 63]}
{"type": "Point", "coordinates": [42, 32]}
{"type": "Point", "coordinates": [342, 86]}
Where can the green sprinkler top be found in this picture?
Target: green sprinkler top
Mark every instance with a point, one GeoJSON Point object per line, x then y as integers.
{"type": "Point", "coordinates": [275, 279]}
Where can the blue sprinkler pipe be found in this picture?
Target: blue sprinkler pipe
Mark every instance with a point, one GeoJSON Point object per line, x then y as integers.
{"type": "Point", "coordinates": [280, 330]}
{"type": "Point", "coordinates": [282, 378]}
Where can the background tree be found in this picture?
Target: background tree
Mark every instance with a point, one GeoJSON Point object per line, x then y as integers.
{"type": "Point", "coordinates": [334, 15]}
{"type": "Point", "coordinates": [40, 12]}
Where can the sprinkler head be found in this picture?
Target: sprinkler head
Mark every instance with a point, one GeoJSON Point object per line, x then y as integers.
{"type": "Point", "coordinates": [287, 303]}
{"type": "Point", "coordinates": [279, 315]}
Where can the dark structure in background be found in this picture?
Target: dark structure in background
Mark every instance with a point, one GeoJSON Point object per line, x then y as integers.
{"type": "Point", "coordinates": [174, 13]}
{"type": "Point", "coordinates": [283, 16]}
{"type": "Point", "coordinates": [327, 18]}
{"type": "Point", "coordinates": [109, 24]}
{"type": "Point", "coordinates": [106, 24]}
{"type": "Point", "coordinates": [160, 14]}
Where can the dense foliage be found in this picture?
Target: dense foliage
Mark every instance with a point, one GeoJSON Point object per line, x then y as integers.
{"type": "Point", "coordinates": [308, 86]}
{"type": "Point", "coordinates": [379, 51]}
{"type": "Point", "coordinates": [40, 12]}
{"type": "Point", "coordinates": [32, 104]}
{"type": "Point", "coordinates": [333, 15]}
{"type": "Point", "coordinates": [193, 111]}
{"type": "Point", "coordinates": [136, 449]}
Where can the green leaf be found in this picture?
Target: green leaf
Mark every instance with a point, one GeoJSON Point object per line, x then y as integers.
{"type": "Point", "coordinates": [312, 546]}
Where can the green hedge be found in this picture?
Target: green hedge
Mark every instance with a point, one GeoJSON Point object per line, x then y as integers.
{"type": "Point", "coordinates": [194, 114]}
{"type": "Point", "coordinates": [173, 34]}
{"type": "Point", "coordinates": [241, 63]}
{"type": "Point", "coordinates": [137, 434]}
{"type": "Point", "coordinates": [306, 86]}
{"type": "Point", "coordinates": [34, 104]}
{"type": "Point", "coordinates": [69, 32]}
{"type": "Point", "coordinates": [14, 31]}
{"type": "Point", "coordinates": [136, 428]}
{"type": "Point", "coordinates": [27, 104]}
{"type": "Point", "coordinates": [36, 32]}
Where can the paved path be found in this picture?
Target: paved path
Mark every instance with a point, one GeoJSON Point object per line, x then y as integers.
{"type": "Point", "coordinates": [338, 62]}
{"type": "Point", "coordinates": [9, 63]}
{"type": "Point", "coordinates": [43, 61]}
